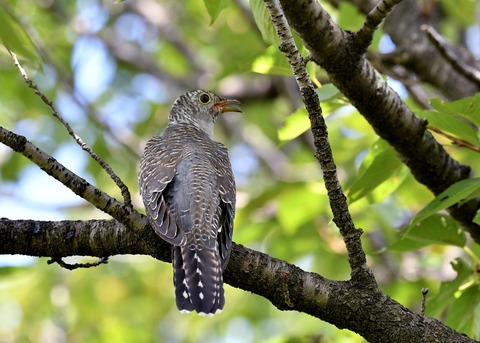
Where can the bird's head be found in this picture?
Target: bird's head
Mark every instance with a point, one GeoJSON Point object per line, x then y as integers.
{"type": "Point", "coordinates": [201, 108]}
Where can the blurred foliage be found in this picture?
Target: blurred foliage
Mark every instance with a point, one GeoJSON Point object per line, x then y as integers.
{"type": "Point", "coordinates": [113, 70]}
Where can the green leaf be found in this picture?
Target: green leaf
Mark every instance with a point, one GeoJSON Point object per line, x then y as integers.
{"type": "Point", "coordinates": [381, 164]}
{"type": "Point", "coordinates": [437, 229]}
{"type": "Point", "coordinates": [298, 204]}
{"type": "Point", "coordinates": [349, 18]}
{"type": "Point", "coordinates": [464, 313]}
{"type": "Point", "coordinates": [457, 193]}
{"type": "Point", "coordinates": [13, 36]}
{"type": "Point", "coordinates": [295, 125]}
{"type": "Point", "coordinates": [463, 11]}
{"type": "Point", "coordinates": [437, 304]}
{"type": "Point", "coordinates": [327, 91]}
{"type": "Point", "coordinates": [214, 7]}
{"type": "Point", "coordinates": [467, 108]}
{"type": "Point", "coordinates": [452, 125]}
{"type": "Point", "coordinates": [264, 24]}
{"type": "Point", "coordinates": [271, 61]}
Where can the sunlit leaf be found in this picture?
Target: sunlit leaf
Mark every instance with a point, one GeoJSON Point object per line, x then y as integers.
{"type": "Point", "coordinates": [295, 125]}
{"type": "Point", "coordinates": [271, 61]}
{"type": "Point", "coordinates": [464, 313]}
{"type": "Point", "coordinates": [438, 303]}
{"type": "Point", "coordinates": [451, 125]}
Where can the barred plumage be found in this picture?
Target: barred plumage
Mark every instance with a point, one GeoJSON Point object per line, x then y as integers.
{"type": "Point", "coordinates": [188, 190]}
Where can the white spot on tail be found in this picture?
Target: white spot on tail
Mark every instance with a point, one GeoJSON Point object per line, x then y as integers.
{"type": "Point", "coordinates": [195, 256]}
{"type": "Point", "coordinates": [200, 284]}
{"type": "Point", "coordinates": [185, 311]}
{"type": "Point", "coordinates": [201, 295]}
{"type": "Point", "coordinates": [185, 294]}
{"type": "Point", "coordinates": [199, 272]}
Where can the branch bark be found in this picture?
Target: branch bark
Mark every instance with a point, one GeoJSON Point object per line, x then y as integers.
{"type": "Point", "coordinates": [364, 310]}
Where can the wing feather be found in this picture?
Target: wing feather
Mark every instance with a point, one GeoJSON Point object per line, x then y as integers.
{"type": "Point", "coordinates": [157, 171]}
{"type": "Point", "coordinates": [227, 191]}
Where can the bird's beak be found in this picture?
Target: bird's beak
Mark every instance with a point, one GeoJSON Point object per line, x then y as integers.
{"type": "Point", "coordinates": [229, 105]}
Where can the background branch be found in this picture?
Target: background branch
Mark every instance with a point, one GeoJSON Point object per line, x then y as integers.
{"type": "Point", "coordinates": [421, 56]}
{"type": "Point", "coordinates": [472, 74]}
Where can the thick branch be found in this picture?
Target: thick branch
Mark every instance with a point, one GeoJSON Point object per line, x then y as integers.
{"type": "Point", "coordinates": [354, 76]}
{"type": "Point", "coordinates": [344, 304]}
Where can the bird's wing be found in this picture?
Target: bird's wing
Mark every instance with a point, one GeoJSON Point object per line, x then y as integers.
{"type": "Point", "coordinates": [226, 187]}
{"type": "Point", "coordinates": [157, 170]}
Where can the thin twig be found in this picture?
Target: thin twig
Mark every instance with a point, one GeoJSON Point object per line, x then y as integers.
{"type": "Point", "coordinates": [323, 151]}
{"type": "Point", "coordinates": [424, 300]}
{"type": "Point", "coordinates": [63, 264]}
{"type": "Point", "coordinates": [455, 140]}
{"type": "Point", "coordinates": [101, 200]}
{"type": "Point", "coordinates": [78, 139]}
{"type": "Point", "coordinates": [457, 63]}
{"type": "Point", "coordinates": [364, 36]}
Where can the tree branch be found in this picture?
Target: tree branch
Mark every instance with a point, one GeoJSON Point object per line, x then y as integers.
{"type": "Point", "coordinates": [123, 188]}
{"type": "Point", "coordinates": [124, 214]}
{"type": "Point", "coordinates": [421, 56]}
{"type": "Point", "coordinates": [364, 36]}
{"type": "Point", "coordinates": [439, 42]}
{"type": "Point", "coordinates": [391, 119]}
{"type": "Point", "coordinates": [364, 310]}
{"type": "Point", "coordinates": [323, 152]}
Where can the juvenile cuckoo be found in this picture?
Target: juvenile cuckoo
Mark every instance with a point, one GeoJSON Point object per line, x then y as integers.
{"type": "Point", "coordinates": [188, 190]}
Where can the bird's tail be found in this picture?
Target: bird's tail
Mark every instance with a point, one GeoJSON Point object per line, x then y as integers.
{"type": "Point", "coordinates": [197, 276]}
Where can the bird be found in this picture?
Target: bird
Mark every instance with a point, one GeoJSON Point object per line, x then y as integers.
{"type": "Point", "coordinates": [188, 190]}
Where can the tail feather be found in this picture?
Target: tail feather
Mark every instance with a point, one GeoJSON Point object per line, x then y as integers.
{"type": "Point", "coordinates": [198, 280]}
{"type": "Point", "coordinates": [181, 293]}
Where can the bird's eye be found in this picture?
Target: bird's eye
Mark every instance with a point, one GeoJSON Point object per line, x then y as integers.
{"type": "Point", "coordinates": [204, 98]}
